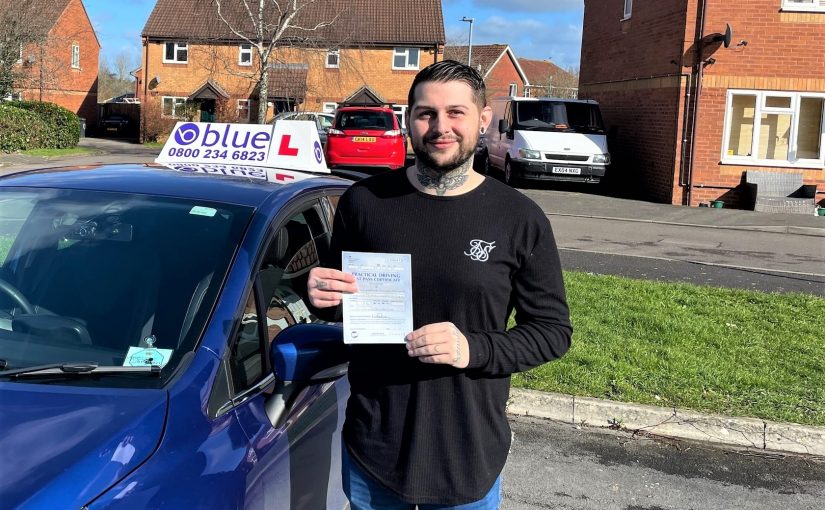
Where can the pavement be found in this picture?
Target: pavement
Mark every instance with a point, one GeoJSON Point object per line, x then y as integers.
{"type": "Point", "coordinates": [583, 411]}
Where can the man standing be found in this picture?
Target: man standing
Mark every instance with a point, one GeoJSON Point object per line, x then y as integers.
{"type": "Point", "coordinates": [426, 424]}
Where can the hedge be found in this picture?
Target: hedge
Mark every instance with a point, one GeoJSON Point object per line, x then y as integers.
{"type": "Point", "coordinates": [20, 129]}
{"type": "Point", "coordinates": [62, 126]}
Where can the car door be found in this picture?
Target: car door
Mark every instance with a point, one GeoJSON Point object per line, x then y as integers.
{"type": "Point", "coordinates": [294, 432]}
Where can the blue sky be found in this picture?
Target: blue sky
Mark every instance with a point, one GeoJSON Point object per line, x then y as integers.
{"type": "Point", "coordinates": [540, 29]}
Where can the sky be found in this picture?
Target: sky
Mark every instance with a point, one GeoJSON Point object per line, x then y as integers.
{"type": "Point", "coordinates": [538, 29]}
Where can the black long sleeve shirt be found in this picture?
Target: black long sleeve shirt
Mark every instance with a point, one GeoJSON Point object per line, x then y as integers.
{"type": "Point", "coordinates": [434, 433]}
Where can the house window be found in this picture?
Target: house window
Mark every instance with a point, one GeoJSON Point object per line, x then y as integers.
{"type": "Point", "coordinates": [329, 107]}
{"type": "Point", "coordinates": [775, 129]}
{"type": "Point", "coordinates": [628, 7]}
{"type": "Point", "coordinates": [173, 106]}
{"type": "Point", "coordinates": [513, 90]}
{"type": "Point", "coordinates": [405, 58]}
{"type": "Point", "coordinates": [333, 58]}
{"type": "Point", "coordinates": [20, 59]}
{"type": "Point", "coordinates": [401, 113]}
{"type": "Point", "coordinates": [245, 55]}
{"type": "Point", "coordinates": [176, 53]}
{"type": "Point", "coordinates": [803, 5]}
{"type": "Point", "coordinates": [243, 110]}
{"type": "Point", "coordinates": [75, 56]}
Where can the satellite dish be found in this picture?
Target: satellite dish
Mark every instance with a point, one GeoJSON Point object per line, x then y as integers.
{"type": "Point", "coordinates": [728, 35]}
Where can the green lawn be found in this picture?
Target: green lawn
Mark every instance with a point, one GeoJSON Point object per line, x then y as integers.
{"type": "Point", "coordinates": [733, 352]}
{"type": "Point", "coordinates": [154, 145]}
{"type": "Point", "coordinates": [50, 153]}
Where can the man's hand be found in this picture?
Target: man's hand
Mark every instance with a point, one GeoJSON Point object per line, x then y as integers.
{"type": "Point", "coordinates": [439, 343]}
{"type": "Point", "coordinates": [326, 286]}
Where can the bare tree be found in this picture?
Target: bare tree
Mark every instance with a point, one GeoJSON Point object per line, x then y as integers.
{"type": "Point", "coordinates": [113, 82]}
{"type": "Point", "coordinates": [264, 24]}
{"type": "Point", "coordinates": [20, 28]}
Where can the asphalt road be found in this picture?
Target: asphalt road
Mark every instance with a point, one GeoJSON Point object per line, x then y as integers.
{"type": "Point", "coordinates": [557, 466]}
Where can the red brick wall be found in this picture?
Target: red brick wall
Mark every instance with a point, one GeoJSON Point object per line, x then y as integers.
{"type": "Point", "coordinates": [75, 89]}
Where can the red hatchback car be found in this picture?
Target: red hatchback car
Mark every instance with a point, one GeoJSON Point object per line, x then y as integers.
{"type": "Point", "coordinates": [366, 136]}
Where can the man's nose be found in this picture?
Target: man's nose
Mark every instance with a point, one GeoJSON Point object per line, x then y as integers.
{"type": "Point", "coordinates": [440, 123]}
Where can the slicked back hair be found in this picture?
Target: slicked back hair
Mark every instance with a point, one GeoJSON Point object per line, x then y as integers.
{"type": "Point", "coordinates": [450, 70]}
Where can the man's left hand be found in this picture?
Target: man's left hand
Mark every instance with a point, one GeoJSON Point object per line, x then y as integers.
{"type": "Point", "coordinates": [439, 343]}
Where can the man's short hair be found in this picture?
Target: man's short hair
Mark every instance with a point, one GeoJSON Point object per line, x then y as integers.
{"type": "Point", "coordinates": [450, 70]}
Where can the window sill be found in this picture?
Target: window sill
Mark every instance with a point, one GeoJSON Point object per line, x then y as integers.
{"type": "Point", "coordinates": [175, 62]}
{"type": "Point", "coordinates": [812, 165]}
{"type": "Point", "coordinates": [820, 10]}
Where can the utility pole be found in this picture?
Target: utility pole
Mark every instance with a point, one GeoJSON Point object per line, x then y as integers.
{"type": "Point", "coordinates": [470, 47]}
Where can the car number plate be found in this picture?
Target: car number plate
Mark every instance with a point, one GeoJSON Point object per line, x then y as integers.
{"type": "Point", "coordinates": [367, 139]}
{"type": "Point", "coordinates": [567, 170]}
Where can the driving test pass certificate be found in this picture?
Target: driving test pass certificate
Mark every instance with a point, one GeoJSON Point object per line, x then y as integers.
{"type": "Point", "coordinates": [381, 311]}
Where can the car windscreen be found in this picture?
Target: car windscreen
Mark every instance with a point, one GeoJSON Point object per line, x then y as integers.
{"type": "Point", "coordinates": [100, 277]}
{"type": "Point", "coordinates": [365, 119]}
{"type": "Point", "coordinates": [558, 116]}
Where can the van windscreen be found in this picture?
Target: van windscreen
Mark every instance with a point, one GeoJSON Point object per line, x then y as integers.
{"type": "Point", "coordinates": [558, 116]}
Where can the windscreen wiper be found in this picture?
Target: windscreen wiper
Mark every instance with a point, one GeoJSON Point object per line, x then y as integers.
{"type": "Point", "coordinates": [77, 369]}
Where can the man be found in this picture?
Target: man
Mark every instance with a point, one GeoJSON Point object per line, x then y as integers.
{"type": "Point", "coordinates": [426, 424]}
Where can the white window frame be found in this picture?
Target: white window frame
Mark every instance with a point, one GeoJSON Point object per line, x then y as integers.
{"type": "Point", "coordinates": [177, 47]}
{"type": "Point", "coordinates": [804, 6]}
{"type": "Point", "coordinates": [628, 9]}
{"type": "Point", "coordinates": [793, 111]}
{"type": "Point", "coordinates": [243, 49]}
{"type": "Point", "coordinates": [248, 109]}
{"type": "Point", "coordinates": [401, 111]}
{"type": "Point", "coordinates": [329, 107]}
{"type": "Point", "coordinates": [337, 63]}
{"type": "Point", "coordinates": [75, 56]}
{"type": "Point", "coordinates": [176, 101]}
{"type": "Point", "coordinates": [405, 52]}
{"type": "Point", "coordinates": [20, 60]}
{"type": "Point", "coordinates": [512, 90]}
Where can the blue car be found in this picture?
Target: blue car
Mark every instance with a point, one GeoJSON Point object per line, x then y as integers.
{"type": "Point", "coordinates": [157, 347]}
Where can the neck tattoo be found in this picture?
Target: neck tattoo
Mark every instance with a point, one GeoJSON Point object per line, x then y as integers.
{"type": "Point", "coordinates": [442, 183]}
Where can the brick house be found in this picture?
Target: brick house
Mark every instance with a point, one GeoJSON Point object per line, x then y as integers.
{"type": "Point", "coordinates": [368, 50]}
{"type": "Point", "coordinates": [498, 66]}
{"type": "Point", "coordinates": [63, 67]}
{"type": "Point", "coordinates": [548, 80]}
{"type": "Point", "coordinates": [688, 115]}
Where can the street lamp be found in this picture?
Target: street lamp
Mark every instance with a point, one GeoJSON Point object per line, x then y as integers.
{"type": "Point", "coordinates": [470, 47]}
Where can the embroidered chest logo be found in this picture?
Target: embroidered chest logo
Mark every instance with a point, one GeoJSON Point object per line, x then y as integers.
{"type": "Point", "coordinates": [480, 250]}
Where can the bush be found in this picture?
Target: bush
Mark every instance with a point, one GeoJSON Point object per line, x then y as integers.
{"type": "Point", "coordinates": [62, 127]}
{"type": "Point", "coordinates": [156, 127]}
{"type": "Point", "coordinates": [20, 129]}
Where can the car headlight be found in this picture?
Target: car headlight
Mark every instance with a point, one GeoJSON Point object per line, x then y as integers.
{"type": "Point", "coordinates": [602, 158]}
{"type": "Point", "coordinates": [529, 154]}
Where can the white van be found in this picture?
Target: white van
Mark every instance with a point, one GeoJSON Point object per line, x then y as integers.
{"type": "Point", "coordinates": [546, 139]}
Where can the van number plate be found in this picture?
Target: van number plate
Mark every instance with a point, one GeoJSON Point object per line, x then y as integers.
{"type": "Point", "coordinates": [566, 170]}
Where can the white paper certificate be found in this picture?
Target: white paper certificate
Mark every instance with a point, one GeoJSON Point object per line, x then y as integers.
{"type": "Point", "coordinates": [381, 311]}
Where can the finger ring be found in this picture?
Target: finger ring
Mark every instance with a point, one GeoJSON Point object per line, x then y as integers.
{"type": "Point", "coordinates": [436, 348]}
{"type": "Point", "coordinates": [321, 284]}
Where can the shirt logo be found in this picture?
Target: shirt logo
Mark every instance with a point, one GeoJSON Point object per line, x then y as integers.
{"type": "Point", "coordinates": [480, 250]}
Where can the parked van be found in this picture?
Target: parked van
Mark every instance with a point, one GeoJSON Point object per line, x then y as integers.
{"type": "Point", "coordinates": [546, 139]}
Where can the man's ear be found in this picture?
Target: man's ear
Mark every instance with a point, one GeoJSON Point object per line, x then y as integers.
{"type": "Point", "coordinates": [486, 117]}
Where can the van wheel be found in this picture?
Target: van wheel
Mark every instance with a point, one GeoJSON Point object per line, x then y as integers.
{"type": "Point", "coordinates": [508, 173]}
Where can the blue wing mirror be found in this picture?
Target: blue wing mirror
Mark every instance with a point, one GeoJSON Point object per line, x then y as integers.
{"type": "Point", "coordinates": [309, 353]}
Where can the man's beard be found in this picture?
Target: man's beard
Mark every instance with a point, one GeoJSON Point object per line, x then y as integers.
{"type": "Point", "coordinates": [428, 162]}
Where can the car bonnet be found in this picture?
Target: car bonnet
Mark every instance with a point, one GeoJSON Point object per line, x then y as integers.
{"type": "Point", "coordinates": [70, 444]}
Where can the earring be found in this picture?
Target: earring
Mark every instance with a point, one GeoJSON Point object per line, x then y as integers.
{"type": "Point", "coordinates": [482, 131]}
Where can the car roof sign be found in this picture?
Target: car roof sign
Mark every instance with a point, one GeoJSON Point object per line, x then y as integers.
{"type": "Point", "coordinates": [284, 151]}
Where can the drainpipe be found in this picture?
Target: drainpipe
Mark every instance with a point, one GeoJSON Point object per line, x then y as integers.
{"type": "Point", "coordinates": [145, 99]}
{"type": "Point", "coordinates": [697, 74]}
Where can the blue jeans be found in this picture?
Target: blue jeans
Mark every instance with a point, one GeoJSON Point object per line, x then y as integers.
{"type": "Point", "coordinates": [364, 493]}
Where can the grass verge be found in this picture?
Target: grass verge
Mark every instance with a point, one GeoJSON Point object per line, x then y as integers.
{"type": "Point", "coordinates": [51, 153]}
{"type": "Point", "coordinates": [724, 351]}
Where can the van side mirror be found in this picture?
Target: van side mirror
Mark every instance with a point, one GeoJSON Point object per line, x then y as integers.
{"type": "Point", "coordinates": [502, 126]}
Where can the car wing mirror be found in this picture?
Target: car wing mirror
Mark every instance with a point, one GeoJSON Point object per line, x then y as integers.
{"type": "Point", "coordinates": [502, 126]}
{"type": "Point", "coordinates": [309, 353]}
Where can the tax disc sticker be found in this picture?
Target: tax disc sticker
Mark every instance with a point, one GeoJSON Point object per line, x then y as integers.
{"type": "Point", "coordinates": [145, 357]}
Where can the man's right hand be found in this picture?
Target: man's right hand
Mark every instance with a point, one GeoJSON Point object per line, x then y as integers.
{"type": "Point", "coordinates": [326, 287]}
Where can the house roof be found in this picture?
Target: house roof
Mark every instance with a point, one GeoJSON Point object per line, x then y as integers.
{"type": "Point", "coordinates": [209, 90]}
{"type": "Point", "coordinates": [485, 57]}
{"type": "Point", "coordinates": [539, 71]}
{"type": "Point", "coordinates": [287, 81]}
{"type": "Point", "coordinates": [353, 22]}
{"type": "Point", "coordinates": [46, 12]}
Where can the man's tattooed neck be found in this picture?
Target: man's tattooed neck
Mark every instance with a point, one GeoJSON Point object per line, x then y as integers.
{"type": "Point", "coordinates": [442, 183]}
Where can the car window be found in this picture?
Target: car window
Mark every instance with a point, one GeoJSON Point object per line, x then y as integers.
{"type": "Point", "coordinates": [366, 119]}
{"type": "Point", "coordinates": [325, 121]}
{"type": "Point", "coordinates": [89, 275]}
{"type": "Point", "coordinates": [281, 282]}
